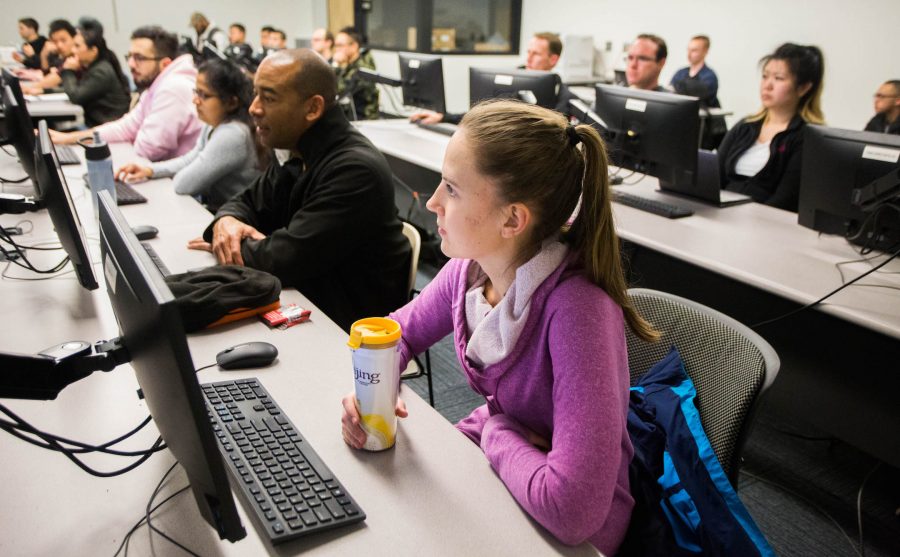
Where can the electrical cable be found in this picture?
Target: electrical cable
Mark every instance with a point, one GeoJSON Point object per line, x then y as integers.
{"type": "Point", "coordinates": [868, 260]}
{"type": "Point", "coordinates": [20, 424]}
{"type": "Point", "coordinates": [151, 528]}
{"type": "Point", "coordinates": [874, 217]}
{"type": "Point", "coordinates": [20, 254]}
{"type": "Point", "coordinates": [53, 442]}
{"type": "Point", "coordinates": [826, 296]}
{"type": "Point", "coordinates": [9, 181]}
{"type": "Point", "coordinates": [55, 445]}
{"type": "Point", "coordinates": [139, 523]}
{"type": "Point", "coordinates": [635, 182]}
{"type": "Point", "coordinates": [629, 175]}
{"type": "Point", "coordinates": [7, 276]}
{"type": "Point", "coordinates": [808, 502]}
{"type": "Point", "coordinates": [859, 520]}
{"type": "Point", "coordinates": [199, 369]}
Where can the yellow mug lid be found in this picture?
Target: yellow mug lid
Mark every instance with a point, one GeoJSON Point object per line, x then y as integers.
{"type": "Point", "coordinates": [373, 330]}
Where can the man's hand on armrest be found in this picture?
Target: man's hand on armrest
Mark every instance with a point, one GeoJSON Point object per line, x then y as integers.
{"type": "Point", "coordinates": [228, 232]}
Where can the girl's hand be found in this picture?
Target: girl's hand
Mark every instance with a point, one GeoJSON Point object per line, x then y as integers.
{"type": "Point", "coordinates": [353, 433]}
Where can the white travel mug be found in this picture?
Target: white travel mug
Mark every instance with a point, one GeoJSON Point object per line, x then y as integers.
{"type": "Point", "coordinates": [374, 344]}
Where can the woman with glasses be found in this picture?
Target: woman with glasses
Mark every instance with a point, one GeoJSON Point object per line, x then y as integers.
{"type": "Point", "coordinates": [226, 157]}
{"type": "Point", "coordinates": [101, 89]}
{"type": "Point", "coordinates": [761, 155]}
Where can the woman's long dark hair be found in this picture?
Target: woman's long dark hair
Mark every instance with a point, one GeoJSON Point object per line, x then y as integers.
{"type": "Point", "coordinates": [228, 81]}
{"type": "Point", "coordinates": [92, 32]}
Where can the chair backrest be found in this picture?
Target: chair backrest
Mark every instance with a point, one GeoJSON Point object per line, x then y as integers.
{"type": "Point", "coordinates": [729, 364]}
{"type": "Point", "coordinates": [415, 244]}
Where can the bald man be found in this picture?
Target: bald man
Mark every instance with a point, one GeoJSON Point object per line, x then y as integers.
{"type": "Point", "coordinates": [325, 222]}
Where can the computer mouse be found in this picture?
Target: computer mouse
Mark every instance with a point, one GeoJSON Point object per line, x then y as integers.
{"type": "Point", "coordinates": [145, 231]}
{"type": "Point", "coordinates": [248, 354]}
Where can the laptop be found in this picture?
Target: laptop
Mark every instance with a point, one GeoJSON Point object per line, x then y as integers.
{"type": "Point", "coordinates": [707, 185]}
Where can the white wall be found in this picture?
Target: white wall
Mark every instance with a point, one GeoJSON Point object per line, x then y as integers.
{"type": "Point", "coordinates": [297, 18]}
{"type": "Point", "coordinates": [859, 38]}
{"type": "Point", "coordinates": [859, 41]}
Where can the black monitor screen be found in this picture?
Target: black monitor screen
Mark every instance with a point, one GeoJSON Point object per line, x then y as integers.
{"type": "Point", "coordinates": [541, 88]}
{"type": "Point", "coordinates": [153, 333]}
{"type": "Point", "coordinates": [19, 132]}
{"type": "Point", "coordinates": [835, 162]}
{"type": "Point", "coordinates": [12, 82]}
{"type": "Point", "coordinates": [423, 81]}
{"type": "Point", "coordinates": [654, 133]}
{"type": "Point", "coordinates": [53, 191]}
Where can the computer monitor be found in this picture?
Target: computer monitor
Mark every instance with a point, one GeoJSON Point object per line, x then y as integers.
{"type": "Point", "coordinates": [652, 132]}
{"type": "Point", "coordinates": [19, 131]}
{"type": "Point", "coordinates": [153, 333]}
{"type": "Point", "coordinates": [835, 162]}
{"type": "Point", "coordinates": [13, 82]}
{"type": "Point", "coordinates": [541, 88]}
{"type": "Point", "coordinates": [423, 81]}
{"type": "Point", "coordinates": [53, 191]}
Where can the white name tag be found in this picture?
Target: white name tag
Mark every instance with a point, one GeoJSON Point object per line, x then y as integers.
{"type": "Point", "coordinates": [883, 154]}
{"type": "Point", "coordinates": [501, 79]}
{"type": "Point", "coordinates": [636, 105]}
{"type": "Point", "coordinates": [414, 64]}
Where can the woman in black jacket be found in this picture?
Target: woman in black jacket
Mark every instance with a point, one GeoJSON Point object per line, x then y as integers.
{"type": "Point", "coordinates": [102, 89]}
{"type": "Point", "coordinates": [761, 156]}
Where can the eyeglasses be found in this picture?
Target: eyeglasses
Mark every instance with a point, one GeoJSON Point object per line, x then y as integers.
{"type": "Point", "coordinates": [645, 59]}
{"type": "Point", "coordinates": [138, 58]}
{"type": "Point", "coordinates": [881, 96]}
{"type": "Point", "coordinates": [203, 95]}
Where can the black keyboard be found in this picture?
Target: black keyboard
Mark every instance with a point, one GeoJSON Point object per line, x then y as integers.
{"type": "Point", "coordinates": [127, 195]}
{"type": "Point", "coordinates": [66, 154]}
{"type": "Point", "coordinates": [291, 490]}
{"type": "Point", "coordinates": [654, 206]}
{"type": "Point", "coordinates": [446, 129]}
{"type": "Point", "coordinates": [154, 257]}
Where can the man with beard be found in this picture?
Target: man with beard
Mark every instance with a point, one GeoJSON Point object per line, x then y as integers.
{"type": "Point", "coordinates": [163, 124]}
{"type": "Point", "coordinates": [324, 222]}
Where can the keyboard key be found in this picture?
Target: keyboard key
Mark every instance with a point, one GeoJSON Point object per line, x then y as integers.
{"type": "Point", "coordinates": [322, 514]}
{"type": "Point", "coordinates": [308, 518]}
{"type": "Point", "coordinates": [335, 509]}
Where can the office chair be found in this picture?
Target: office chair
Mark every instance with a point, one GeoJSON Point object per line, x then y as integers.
{"type": "Point", "coordinates": [730, 365]}
{"type": "Point", "coordinates": [415, 368]}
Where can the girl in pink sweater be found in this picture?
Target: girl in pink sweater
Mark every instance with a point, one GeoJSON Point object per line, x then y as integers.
{"type": "Point", "coordinates": [538, 310]}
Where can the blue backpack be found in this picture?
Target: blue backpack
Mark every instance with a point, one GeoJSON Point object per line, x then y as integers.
{"type": "Point", "coordinates": [684, 503]}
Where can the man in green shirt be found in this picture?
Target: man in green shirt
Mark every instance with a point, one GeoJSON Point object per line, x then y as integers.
{"type": "Point", "coordinates": [348, 59]}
